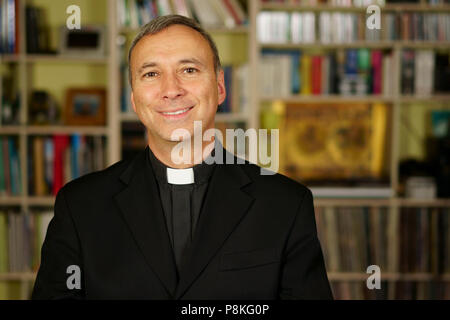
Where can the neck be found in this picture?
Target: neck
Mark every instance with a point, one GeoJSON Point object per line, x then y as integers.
{"type": "Point", "coordinates": [163, 152]}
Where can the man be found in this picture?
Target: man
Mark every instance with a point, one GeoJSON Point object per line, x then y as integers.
{"type": "Point", "coordinates": [152, 228]}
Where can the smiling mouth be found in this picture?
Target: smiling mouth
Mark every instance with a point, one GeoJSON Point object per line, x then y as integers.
{"type": "Point", "coordinates": [178, 112]}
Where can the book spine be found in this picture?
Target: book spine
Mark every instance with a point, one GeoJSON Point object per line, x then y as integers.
{"type": "Point", "coordinates": [377, 57]}
{"type": "Point", "coordinates": [316, 74]}
{"type": "Point", "coordinates": [407, 73]}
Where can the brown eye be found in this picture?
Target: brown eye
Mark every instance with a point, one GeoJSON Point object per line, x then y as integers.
{"type": "Point", "coordinates": [150, 74]}
{"type": "Point", "coordinates": [190, 70]}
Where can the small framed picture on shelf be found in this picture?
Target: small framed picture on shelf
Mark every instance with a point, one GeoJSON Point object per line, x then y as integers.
{"type": "Point", "coordinates": [85, 106]}
{"type": "Point", "coordinates": [90, 41]}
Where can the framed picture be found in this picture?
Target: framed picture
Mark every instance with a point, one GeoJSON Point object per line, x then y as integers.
{"type": "Point", "coordinates": [85, 107]}
{"type": "Point", "coordinates": [334, 142]}
{"type": "Point", "coordinates": [87, 42]}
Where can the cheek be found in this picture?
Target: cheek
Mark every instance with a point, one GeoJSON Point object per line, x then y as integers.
{"type": "Point", "coordinates": [208, 94]}
{"type": "Point", "coordinates": [143, 96]}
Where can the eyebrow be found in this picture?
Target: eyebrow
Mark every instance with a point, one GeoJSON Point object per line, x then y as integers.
{"type": "Point", "coordinates": [183, 61]}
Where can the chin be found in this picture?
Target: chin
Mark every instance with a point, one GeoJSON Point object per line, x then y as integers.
{"type": "Point", "coordinates": [178, 138]}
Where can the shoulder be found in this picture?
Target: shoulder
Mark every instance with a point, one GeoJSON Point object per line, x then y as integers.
{"type": "Point", "coordinates": [98, 182]}
{"type": "Point", "coordinates": [275, 185]}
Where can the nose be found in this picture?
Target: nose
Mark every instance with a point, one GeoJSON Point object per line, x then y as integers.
{"type": "Point", "coordinates": [171, 87]}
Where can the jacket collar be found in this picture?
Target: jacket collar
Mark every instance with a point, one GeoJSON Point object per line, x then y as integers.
{"type": "Point", "coordinates": [224, 207]}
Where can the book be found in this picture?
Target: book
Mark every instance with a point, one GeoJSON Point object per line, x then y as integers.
{"type": "Point", "coordinates": [40, 187]}
{"type": "Point", "coordinates": [6, 165]}
{"type": "Point", "coordinates": [407, 72]}
{"type": "Point", "coordinates": [377, 75]}
{"type": "Point", "coordinates": [204, 11]}
{"type": "Point", "coordinates": [305, 74]}
{"type": "Point", "coordinates": [4, 254]}
{"type": "Point", "coordinates": [316, 73]}
{"type": "Point", "coordinates": [2, 170]}
{"type": "Point", "coordinates": [423, 72]}
{"type": "Point", "coordinates": [224, 13]}
{"type": "Point", "coordinates": [442, 72]}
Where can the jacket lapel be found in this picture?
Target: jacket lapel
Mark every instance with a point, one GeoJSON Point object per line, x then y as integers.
{"type": "Point", "coordinates": [141, 207]}
{"type": "Point", "coordinates": [224, 207]}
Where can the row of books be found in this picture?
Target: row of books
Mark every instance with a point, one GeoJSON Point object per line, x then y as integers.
{"type": "Point", "coordinates": [210, 13]}
{"type": "Point", "coordinates": [339, 27]}
{"type": "Point", "coordinates": [9, 32]}
{"type": "Point", "coordinates": [346, 72]}
{"type": "Point", "coordinates": [237, 85]}
{"type": "Point", "coordinates": [353, 238]}
{"type": "Point", "coordinates": [59, 159]}
{"type": "Point", "coordinates": [21, 238]}
{"type": "Point", "coordinates": [401, 290]}
{"type": "Point", "coordinates": [417, 26]}
{"type": "Point", "coordinates": [37, 30]}
{"type": "Point", "coordinates": [355, 3]}
{"type": "Point", "coordinates": [425, 72]}
{"type": "Point", "coordinates": [10, 177]}
{"type": "Point", "coordinates": [424, 240]}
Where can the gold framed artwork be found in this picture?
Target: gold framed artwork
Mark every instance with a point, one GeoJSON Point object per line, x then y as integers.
{"type": "Point", "coordinates": [85, 106]}
{"type": "Point", "coordinates": [333, 141]}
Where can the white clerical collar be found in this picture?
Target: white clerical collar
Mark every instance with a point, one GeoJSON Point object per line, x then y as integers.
{"type": "Point", "coordinates": [180, 176]}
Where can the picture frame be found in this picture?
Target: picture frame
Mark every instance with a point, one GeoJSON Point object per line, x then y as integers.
{"type": "Point", "coordinates": [334, 142]}
{"type": "Point", "coordinates": [85, 106]}
{"type": "Point", "coordinates": [90, 41]}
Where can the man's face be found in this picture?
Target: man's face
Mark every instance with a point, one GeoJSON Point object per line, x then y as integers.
{"type": "Point", "coordinates": [174, 82]}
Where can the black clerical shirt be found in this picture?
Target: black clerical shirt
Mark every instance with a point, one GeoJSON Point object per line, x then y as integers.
{"type": "Point", "coordinates": [181, 203]}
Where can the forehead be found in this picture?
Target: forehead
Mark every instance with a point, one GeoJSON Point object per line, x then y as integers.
{"type": "Point", "coordinates": [175, 42]}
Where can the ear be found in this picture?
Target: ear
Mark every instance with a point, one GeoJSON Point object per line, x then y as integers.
{"type": "Point", "coordinates": [132, 101]}
{"type": "Point", "coordinates": [221, 90]}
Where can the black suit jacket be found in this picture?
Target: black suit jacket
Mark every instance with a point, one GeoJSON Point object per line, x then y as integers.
{"type": "Point", "coordinates": [255, 239]}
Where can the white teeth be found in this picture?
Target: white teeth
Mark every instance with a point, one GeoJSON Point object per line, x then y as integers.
{"type": "Point", "coordinates": [176, 112]}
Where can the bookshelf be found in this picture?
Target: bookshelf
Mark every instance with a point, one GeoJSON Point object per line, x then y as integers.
{"type": "Point", "coordinates": [348, 284]}
{"type": "Point", "coordinates": [237, 46]}
{"type": "Point", "coordinates": [35, 70]}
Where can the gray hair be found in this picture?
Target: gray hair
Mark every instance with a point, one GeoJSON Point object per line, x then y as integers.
{"type": "Point", "coordinates": [160, 23]}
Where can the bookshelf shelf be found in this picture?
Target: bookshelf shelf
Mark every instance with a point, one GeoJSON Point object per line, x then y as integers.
{"type": "Point", "coordinates": [11, 200]}
{"type": "Point", "coordinates": [31, 58]}
{"type": "Point", "coordinates": [45, 201]}
{"type": "Point", "coordinates": [318, 46]}
{"type": "Point", "coordinates": [88, 130]}
{"type": "Point", "coordinates": [12, 129]}
{"type": "Point", "coordinates": [9, 58]}
{"type": "Point", "coordinates": [355, 98]}
{"type": "Point", "coordinates": [359, 44]}
{"type": "Point", "coordinates": [433, 98]}
{"type": "Point", "coordinates": [29, 200]}
{"type": "Point", "coordinates": [220, 117]}
{"type": "Point", "coordinates": [331, 8]}
{"type": "Point", "coordinates": [370, 202]}
{"type": "Point", "coordinates": [403, 202]}
{"type": "Point", "coordinates": [423, 45]}
{"type": "Point", "coordinates": [419, 277]}
{"type": "Point", "coordinates": [18, 276]}
{"type": "Point", "coordinates": [54, 129]}
{"type": "Point", "coordinates": [329, 98]}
